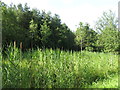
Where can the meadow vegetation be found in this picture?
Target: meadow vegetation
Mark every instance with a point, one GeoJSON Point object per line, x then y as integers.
{"type": "Point", "coordinates": [39, 51]}
{"type": "Point", "coordinates": [47, 68]}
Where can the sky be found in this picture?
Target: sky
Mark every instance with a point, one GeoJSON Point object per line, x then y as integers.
{"type": "Point", "coordinates": [72, 12]}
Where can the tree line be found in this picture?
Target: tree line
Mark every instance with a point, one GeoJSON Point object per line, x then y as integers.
{"type": "Point", "coordinates": [35, 28]}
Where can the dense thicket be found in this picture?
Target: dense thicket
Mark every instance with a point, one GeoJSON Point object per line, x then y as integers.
{"type": "Point", "coordinates": [36, 28]}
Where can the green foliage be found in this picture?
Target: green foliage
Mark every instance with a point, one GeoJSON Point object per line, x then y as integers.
{"type": "Point", "coordinates": [34, 28]}
{"type": "Point", "coordinates": [111, 82]}
{"type": "Point", "coordinates": [56, 68]}
{"type": "Point", "coordinates": [45, 33]}
{"type": "Point", "coordinates": [109, 40]}
{"type": "Point", "coordinates": [85, 37]}
{"type": "Point", "coordinates": [48, 68]}
{"type": "Point", "coordinates": [108, 19]}
{"type": "Point", "coordinates": [108, 32]}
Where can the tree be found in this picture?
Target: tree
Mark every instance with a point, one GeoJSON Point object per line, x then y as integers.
{"type": "Point", "coordinates": [108, 32]}
{"type": "Point", "coordinates": [107, 19]}
{"type": "Point", "coordinates": [85, 37]}
{"type": "Point", "coordinates": [33, 33]}
{"type": "Point", "coordinates": [9, 24]}
{"type": "Point", "coordinates": [46, 33]}
{"type": "Point", "coordinates": [34, 28]}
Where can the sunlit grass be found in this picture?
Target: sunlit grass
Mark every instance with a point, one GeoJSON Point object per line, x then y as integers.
{"type": "Point", "coordinates": [111, 82]}
{"type": "Point", "coordinates": [56, 68]}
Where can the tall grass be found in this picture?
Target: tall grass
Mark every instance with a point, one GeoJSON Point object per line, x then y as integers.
{"type": "Point", "coordinates": [56, 68]}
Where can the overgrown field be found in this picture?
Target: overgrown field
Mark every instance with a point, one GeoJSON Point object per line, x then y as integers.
{"type": "Point", "coordinates": [56, 68]}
